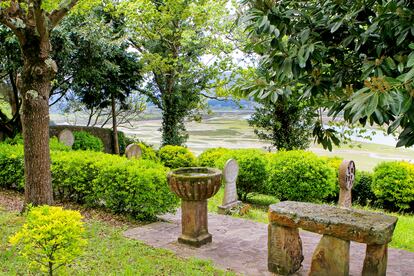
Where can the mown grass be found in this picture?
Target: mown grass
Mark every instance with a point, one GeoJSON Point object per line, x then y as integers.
{"type": "Point", "coordinates": [107, 253]}
{"type": "Point", "coordinates": [403, 237]}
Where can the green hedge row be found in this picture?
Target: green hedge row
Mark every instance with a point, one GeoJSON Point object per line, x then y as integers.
{"type": "Point", "coordinates": [304, 176]}
{"type": "Point", "coordinates": [136, 187]}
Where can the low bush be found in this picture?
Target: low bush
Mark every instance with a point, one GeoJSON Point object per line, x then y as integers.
{"type": "Point", "coordinates": [50, 238]}
{"type": "Point", "coordinates": [136, 187]}
{"type": "Point", "coordinates": [393, 185]}
{"type": "Point", "coordinates": [11, 167]}
{"type": "Point", "coordinates": [300, 176]}
{"type": "Point", "coordinates": [55, 145]}
{"type": "Point", "coordinates": [86, 141]}
{"type": "Point", "coordinates": [209, 157]}
{"type": "Point", "coordinates": [362, 191]}
{"type": "Point", "coordinates": [148, 152]}
{"type": "Point", "coordinates": [176, 157]}
{"type": "Point", "coordinates": [252, 170]}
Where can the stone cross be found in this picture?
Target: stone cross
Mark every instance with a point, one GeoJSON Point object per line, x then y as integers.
{"type": "Point", "coordinates": [230, 173]}
{"type": "Point", "coordinates": [66, 137]}
{"type": "Point", "coordinates": [133, 151]}
{"type": "Point", "coordinates": [346, 182]}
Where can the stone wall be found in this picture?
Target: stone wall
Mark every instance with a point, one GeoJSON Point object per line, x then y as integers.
{"type": "Point", "coordinates": [105, 134]}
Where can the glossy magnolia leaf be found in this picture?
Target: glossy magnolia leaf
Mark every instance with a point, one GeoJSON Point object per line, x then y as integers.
{"type": "Point", "coordinates": [394, 125]}
{"type": "Point", "coordinates": [409, 75]}
{"type": "Point", "coordinates": [410, 62]}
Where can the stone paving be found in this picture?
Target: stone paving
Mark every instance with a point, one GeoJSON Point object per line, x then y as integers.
{"type": "Point", "coordinates": [241, 246]}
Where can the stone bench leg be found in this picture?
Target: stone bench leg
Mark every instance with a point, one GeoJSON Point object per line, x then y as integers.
{"type": "Point", "coordinates": [375, 262]}
{"type": "Point", "coordinates": [331, 257]}
{"type": "Point", "coordinates": [284, 250]}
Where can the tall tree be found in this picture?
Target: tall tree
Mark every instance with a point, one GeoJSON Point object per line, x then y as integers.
{"type": "Point", "coordinates": [32, 22]}
{"type": "Point", "coordinates": [357, 56]}
{"type": "Point", "coordinates": [102, 70]}
{"type": "Point", "coordinates": [182, 45]}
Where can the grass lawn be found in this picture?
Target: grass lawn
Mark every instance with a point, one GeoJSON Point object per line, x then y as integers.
{"type": "Point", "coordinates": [107, 253]}
{"type": "Point", "coordinates": [403, 237]}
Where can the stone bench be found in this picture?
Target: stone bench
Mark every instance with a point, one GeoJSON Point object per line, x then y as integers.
{"type": "Point", "coordinates": [338, 226]}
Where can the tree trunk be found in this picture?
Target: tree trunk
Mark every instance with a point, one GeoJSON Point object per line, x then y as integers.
{"type": "Point", "coordinates": [35, 86]}
{"type": "Point", "coordinates": [114, 125]}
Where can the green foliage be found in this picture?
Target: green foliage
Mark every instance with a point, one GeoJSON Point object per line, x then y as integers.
{"type": "Point", "coordinates": [393, 185]}
{"type": "Point", "coordinates": [135, 187]}
{"type": "Point", "coordinates": [16, 140]}
{"type": "Point", "coordinates": [362, 191]}
{"type": "Point", "coordinates": [11, 167]}
{"type": "Point", "coordinates": [209, 157]}
{"type": "Point", "coordinates": [55, 145]}
{"type": "Point", "coordinates": [176, 157]}
{"type": "Point", "coordinates": [86, 141]}
{"type": "Point", "coordinates": [286, 123]}
{"type": "Point", "coordinates": [138, 188]}
{"type": "Point", "coordinates": [353, 58]}
{"type": "Point", "coordinates": [148, 152]}
{"type": "Point", "coordinates": [300, 176]}
{"type": "Point", "coordinates": [172, 51]}
{"type": "Point", "coordinates": [50, 238]}
{"type": "Point", "coordinates": [252, 170]}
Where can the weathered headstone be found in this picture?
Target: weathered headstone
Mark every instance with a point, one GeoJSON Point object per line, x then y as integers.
{"type": "Point", "coordinates": [346, 182]}
{"type": "Point", "coordinates": [133, 151]}
{"type": "Point", "coordinates": [66, 137]}
{"type": "Point", "coordinates": [230, 173]}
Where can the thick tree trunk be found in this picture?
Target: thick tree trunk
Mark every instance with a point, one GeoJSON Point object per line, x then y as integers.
{"type": "Point", "coordinates": [35, 85]}
{"type": "Point", "coordinates": [114, 125]}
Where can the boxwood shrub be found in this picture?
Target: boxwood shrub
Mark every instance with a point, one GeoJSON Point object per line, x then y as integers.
{"type": "Point", "coordinates": [209, 157]}
{"type": "Point", "coordinates": [252, 170]}
{"type": "Point", "coordinates": [362, 191]}
{"type": "Point", "coordinates": [176, 157]}
{"type": "Point", "coordinates": [86, 141]}
{"type": "Point", "coordinates": [393, 185]}
{"type": "Point", "coordinates": [11, 167]}
{"type": "Point", "coordinates": [300, 176]}
{"type": "Point", "coordinates": [136, 187]}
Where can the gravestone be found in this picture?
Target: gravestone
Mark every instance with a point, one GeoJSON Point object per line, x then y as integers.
{"type": "Point", "coordinates": [346, 182]}
{"type": "Point", "coordinates": [133, 151]}
{"type": "Point", "coordinates": [66, 137]}
{"type": "Point", "coordinates": [230, 173]}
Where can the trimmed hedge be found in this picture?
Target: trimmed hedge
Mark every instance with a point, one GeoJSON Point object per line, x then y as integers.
{"type": "Point", "coordinates": [252, 170]}
{"type": "Point", "coordinates": [209, 157]}
{"type": "Point", "coordinates": [393, 185]}
{"type": "Point", "coordinates": [86, 141]}
{"type": "Point", "coordinates": [362, 191]}
{"type": "Point", "coordinates": [176, 157]}
{"type": "Point", "coordinates": [135, 187]}
{"type": "Point", "coordinates": [300, 176]}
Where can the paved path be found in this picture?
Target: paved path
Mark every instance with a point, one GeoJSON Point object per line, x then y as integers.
{"type": "Point", "coordinates": [241, 246]}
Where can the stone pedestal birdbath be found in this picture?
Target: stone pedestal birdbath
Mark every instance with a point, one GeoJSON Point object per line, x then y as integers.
{"type": "Point", "coordinates": [194, 186]}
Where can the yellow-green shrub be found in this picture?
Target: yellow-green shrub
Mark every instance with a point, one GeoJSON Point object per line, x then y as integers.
{"type": "Point", "coordinates": [393, 185]}
{"type": "Point", "coordinates": [11, 167]}
{"type": "Point", "coordinates": [209, 157]}
{"type": "Point", "coordinates": [300, 176]}
{"type": "Point", "coordinates": [86, 141]}
{"type": "Point", "coordinates": [176, 157]}
{"type": "Point", "coordinates": [50, 238]}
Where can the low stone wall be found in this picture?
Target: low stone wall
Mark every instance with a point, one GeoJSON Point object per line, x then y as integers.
{"type": "Point", "coordinates": [105, 134]}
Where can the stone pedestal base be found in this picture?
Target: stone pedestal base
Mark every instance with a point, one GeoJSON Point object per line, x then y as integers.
{"type": "Point", "coordinates": [225, 209]}
{"type": "Point", "coordinates": [284, 250]}
{"type": "Point", "coordinates": [331, 257]}
{"type": "Point", "coordinates": [375, 262]}
{"type": "Point", "coordinates": [194, 223]}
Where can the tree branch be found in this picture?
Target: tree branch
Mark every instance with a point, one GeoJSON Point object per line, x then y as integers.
{"type": "Point", "coordinates": [57, 15]}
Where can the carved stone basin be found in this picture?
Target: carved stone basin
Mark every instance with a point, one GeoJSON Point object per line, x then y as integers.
{"type": "Point", "coordinates": [194, 186]}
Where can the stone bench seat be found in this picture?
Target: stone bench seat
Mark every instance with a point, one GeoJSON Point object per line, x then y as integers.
{"type": "Point", "coordinates": [343, 223]}
{"type": "Point", "coordinates": [338, 226]}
